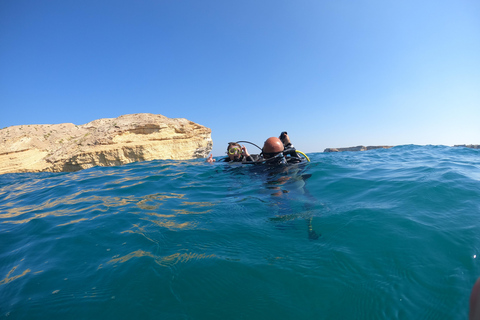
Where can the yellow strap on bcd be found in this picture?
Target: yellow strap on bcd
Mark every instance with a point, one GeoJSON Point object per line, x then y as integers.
{"type": "Point", "coordinates": [303, 154]}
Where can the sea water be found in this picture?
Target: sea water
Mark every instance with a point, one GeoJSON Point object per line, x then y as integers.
{"type": "Point", "coordinates": [381, 234]}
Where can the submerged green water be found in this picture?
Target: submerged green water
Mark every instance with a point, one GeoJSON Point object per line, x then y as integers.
{"type": "Point", "coordinates": [383, 234]}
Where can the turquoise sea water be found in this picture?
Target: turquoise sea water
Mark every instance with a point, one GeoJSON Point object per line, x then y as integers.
{"type": "Point", "coordinates": [381, 234]}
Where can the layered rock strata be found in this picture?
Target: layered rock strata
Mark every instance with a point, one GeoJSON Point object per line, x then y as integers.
{"type": "Point", "coordinates": [358, 148]}
{"type": "Point", "coordinates": [105, 142]}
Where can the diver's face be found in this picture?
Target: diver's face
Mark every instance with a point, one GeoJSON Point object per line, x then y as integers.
{"type": "Point", "coordinates": [234, 152]}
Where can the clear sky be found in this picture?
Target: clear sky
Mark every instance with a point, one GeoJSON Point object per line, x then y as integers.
{"type": "Point", "coordinates": [333, 73]}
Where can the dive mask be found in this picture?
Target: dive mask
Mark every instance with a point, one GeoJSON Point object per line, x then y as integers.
{"type": "Point", "coordinates": [234, 150]}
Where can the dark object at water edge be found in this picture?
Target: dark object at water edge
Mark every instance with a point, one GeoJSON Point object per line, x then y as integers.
{"type": "Point", "coordinates": [363, 148]}
{"type": "Point", "coordinates": [358, 148]}
{"type": "Point", "coordinates": [473, 146]}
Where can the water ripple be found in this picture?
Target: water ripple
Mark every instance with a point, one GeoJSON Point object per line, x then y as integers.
{"type": "Point", "coordinates": [378, 234]}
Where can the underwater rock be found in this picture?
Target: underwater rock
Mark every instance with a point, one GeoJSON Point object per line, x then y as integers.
{"type": "Point", "coordinates": [104, 142]}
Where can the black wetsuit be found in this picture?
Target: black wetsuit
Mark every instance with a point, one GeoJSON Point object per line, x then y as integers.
{"type": "Point", "coordinates": [288, 156]}
{"type": "Point", "coordinates": [291, 154]}
{"type": "Point", "coordinates": [250, 158]}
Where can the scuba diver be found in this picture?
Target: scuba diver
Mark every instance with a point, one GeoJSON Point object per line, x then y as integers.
{"type": "Point", "coordinates": [281, 151]}
{"type": "Point", "coordinates": [285, 140]}
{"type": "Point", "coordinates": [236, 153]}
{"type": "Point", "coordinates": [275, 151]}
{"type": "Point", "coordinates": [272, 165]}
{"type": "Point", "coordinates": [272, 152]}
{"type": "Point", "coordinates": [289, 148]}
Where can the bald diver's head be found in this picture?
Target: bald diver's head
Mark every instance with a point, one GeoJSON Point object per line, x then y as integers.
{"type": "Point", "coordinates": [272, 147]}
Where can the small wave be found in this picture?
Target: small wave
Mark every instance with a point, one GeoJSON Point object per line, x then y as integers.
{"type": "Point", "coordinates": [388, 233]}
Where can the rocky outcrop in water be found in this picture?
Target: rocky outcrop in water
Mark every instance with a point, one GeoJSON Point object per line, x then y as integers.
{"type": "Point", "coordinates": [105, 142]}
{"type": "Point", "coordinates": [358, 148]}
{"type": "Point", "coordinates": [472, 146]}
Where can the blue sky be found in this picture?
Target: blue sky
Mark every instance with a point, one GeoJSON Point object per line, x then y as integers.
{"type": "Point", "coordinates": [331, 73]}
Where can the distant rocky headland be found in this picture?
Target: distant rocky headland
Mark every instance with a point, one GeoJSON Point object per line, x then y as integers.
{"type": "Point", "coordinates": [472, 146]}
{"type": "Point", "coordinates": [363, 148]}
{"type": "Point", "coordinates": [357, 148]}
{"type": "Point", "coordinates": [104, 142]}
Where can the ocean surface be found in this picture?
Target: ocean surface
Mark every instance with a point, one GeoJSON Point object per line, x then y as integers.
{"type": "Point", "coordinates": [380, 234]}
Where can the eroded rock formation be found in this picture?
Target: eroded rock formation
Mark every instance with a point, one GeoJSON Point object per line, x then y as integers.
{"type": "Point", "coordinates": [104, 142]}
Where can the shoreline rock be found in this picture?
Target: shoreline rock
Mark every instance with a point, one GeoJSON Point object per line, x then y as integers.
{"type": "Point", "coordinates": [357, 148]}
{"type": "Point", "coordinates": [363, 148]}
{"type": "Point", "coordinates": [104, 142]}
{"type": "Point", "coordinates": [472, 146]}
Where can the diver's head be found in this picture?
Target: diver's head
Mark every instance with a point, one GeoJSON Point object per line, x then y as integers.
{"type": "Point", "coordinates": [234, 151]}
{"type": "Point", "coordinates": [272, 147]}
{"type": "Point", "coordinates": [284, 138]}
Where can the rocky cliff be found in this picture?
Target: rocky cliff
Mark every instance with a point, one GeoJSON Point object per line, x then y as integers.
{"type": "Point", "coordinates": [104, 142]}
{"type": "Point", "coordinates": [358, 148]}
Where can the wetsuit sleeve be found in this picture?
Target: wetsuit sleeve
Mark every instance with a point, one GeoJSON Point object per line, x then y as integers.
{"type": "Point", "coordinates": [253, 157]}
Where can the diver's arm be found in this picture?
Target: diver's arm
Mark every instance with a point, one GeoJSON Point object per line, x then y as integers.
{"type": "Point", "coordinates": [245, 152]}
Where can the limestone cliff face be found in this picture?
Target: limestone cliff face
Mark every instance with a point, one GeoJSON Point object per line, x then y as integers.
{"type": "Point", "coordinates": [104, 142]}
